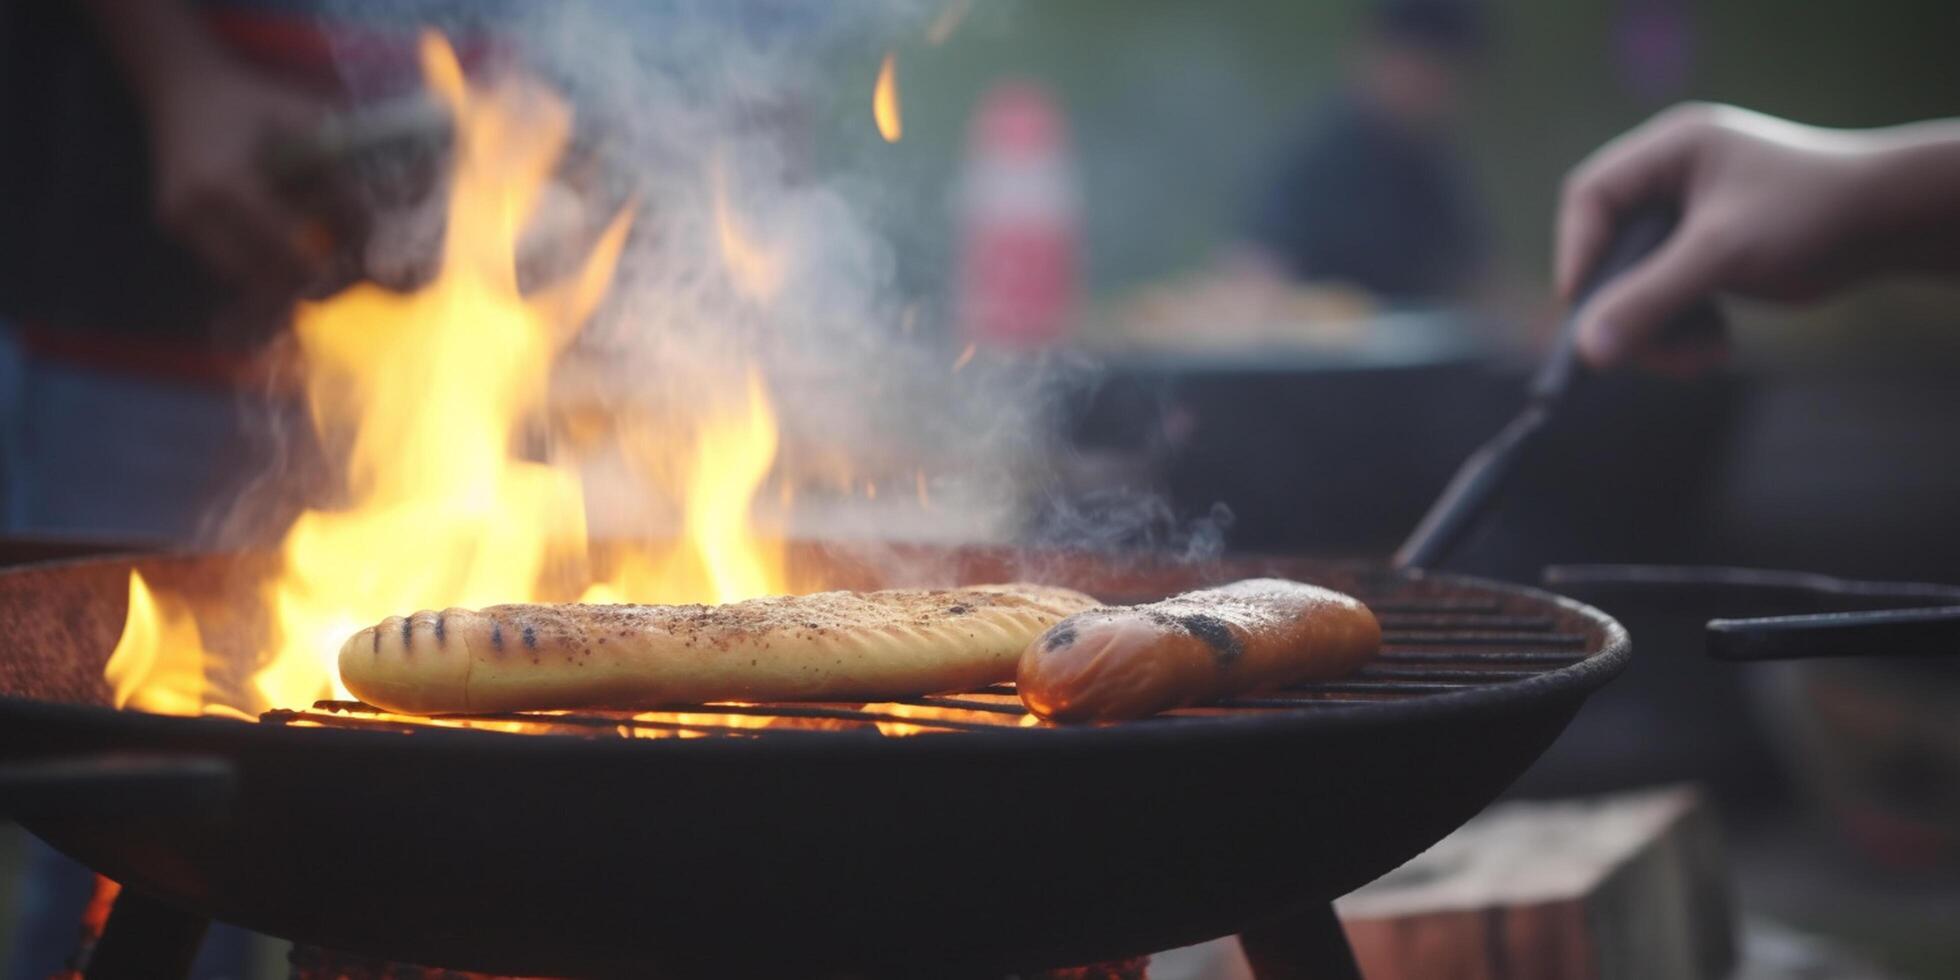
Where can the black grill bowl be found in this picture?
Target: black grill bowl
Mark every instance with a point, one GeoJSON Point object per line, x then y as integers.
{"type": "Point", "coordinates": [813, 851]}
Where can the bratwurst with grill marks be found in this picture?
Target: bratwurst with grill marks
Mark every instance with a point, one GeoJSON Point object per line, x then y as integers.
{"type": "Point", "coordinates": [1119, 662]}
{"type": "Point", "coordinates": [832, 646]}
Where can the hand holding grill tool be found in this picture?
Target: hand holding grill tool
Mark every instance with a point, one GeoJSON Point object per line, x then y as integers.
{"type": "Point", "coordinates": [1920, 619]}
{"type": "Point", "coordinates": [1470, 491]}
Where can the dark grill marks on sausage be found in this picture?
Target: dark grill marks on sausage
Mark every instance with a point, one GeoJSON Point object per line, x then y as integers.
{"type": "Point", "coordinates": [655, 648]}
{"type": "Point", "coordinates": [718, 626]}
{"type": "Point", "coordinates": [1225, 645]}
{"type": "Point", "coordinates": [1062, 635]}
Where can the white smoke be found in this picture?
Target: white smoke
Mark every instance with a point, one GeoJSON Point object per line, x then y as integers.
{"type": "Point", "coordinates": [705, 114]}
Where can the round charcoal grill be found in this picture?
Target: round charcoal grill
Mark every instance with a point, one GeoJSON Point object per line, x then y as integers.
{"type": "Point", "coordinates": [937, 834]}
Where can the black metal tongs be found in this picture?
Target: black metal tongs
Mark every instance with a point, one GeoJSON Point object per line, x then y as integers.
{"type": "Point", "coordinates": [1470, 492]}
{"type": "Point", "coordinates": [1918, 619]}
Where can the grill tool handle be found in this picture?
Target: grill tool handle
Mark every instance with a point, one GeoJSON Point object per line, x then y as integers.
{"type": "Point", "coordinates": [1636, 238]}
{"type": "Point", "coordinates": [1476, 483]}
{"type": "Point", "coordinates": [1469, 493]}
{"type": "Point", "coordinates": [117, 785]}
{"type": "Point", "coordinates": [1928, 632]}
{"type": "Point", "coordinates": [1916, 618]}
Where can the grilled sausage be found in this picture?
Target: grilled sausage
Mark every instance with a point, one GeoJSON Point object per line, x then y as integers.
{"type": "Point", "coordinates": [1122, 662]}
{"type": "Point", "coordinates": [833, 646]}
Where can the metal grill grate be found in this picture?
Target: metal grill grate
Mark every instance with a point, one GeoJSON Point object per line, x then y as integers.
{"type": "Point", "coordinates": [1434, 642]}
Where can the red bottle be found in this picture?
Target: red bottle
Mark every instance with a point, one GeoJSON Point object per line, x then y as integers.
{"type": "Point", "coordinates": [1019, 220]}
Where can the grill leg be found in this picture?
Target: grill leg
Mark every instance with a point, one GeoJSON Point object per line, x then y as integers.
{"type": "Point", "coordinates": [1307, 945]}
{"type": "Point", "coordinates": [145, 938]}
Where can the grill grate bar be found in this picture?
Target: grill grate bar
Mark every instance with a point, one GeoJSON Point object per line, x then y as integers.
{"type": "Point", "coordinates": [286, 716]}
{"type": "Point", "coordinates": [1482, 656]}
{"type": "Point", "coordinates": [1481, 675]}
{"type": "Point", "coordinates": [1274, 702]}
{"type": "Point", "coordinates": [354, 714]}
{"type": "Point", "coordinates": [705, 728]}
{"type": "Point", "coordinates": [967, 704]}
{"type": "Point", "coordinates": [1480, 638]}
{"type": "Point", "coordinates": [1382, 687]}
{"type": "Point", "coordinates": [1442, 604]}
{"type": "Point", "coordinates": [1463, 621]}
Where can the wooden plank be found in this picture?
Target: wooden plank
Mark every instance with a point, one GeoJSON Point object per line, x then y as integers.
{"type": "Point", "coordinates": [1615, 888]}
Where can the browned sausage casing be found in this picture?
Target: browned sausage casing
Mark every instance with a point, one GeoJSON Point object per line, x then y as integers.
{"type": "Point", "coordinates": [1119, 662]}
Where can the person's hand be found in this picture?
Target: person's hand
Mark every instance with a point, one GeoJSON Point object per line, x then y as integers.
{"type": "Point", "coordinates": [1768, 208]}
{"type": "Point", "coordinates": [209, 129]}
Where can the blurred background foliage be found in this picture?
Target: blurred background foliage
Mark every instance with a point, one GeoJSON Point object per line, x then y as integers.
{"type": "Point", "coordinates": [1177, 108]}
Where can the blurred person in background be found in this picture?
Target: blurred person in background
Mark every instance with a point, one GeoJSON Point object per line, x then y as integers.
{"type": "Point", "coordinates": [1373, 192]}
{"type": "Point", "coordinates": [149, 251]}
{"type": "Point", "coordinates": [1770, 209]}
{"type": "Point", "coordinates": [147, 256]}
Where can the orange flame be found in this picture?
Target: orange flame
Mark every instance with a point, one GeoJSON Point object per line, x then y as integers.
{"type": "Point", "coordinates": [431, 387]}
{"type": "Point", "coordinates": [428, 395]}
{"type": "Point", "coordinates": [157, 664]}
{"type": "Point", "coordinates": [884, 100]}
{"type": "Point", "coordinates": [103, 899]}
{"type": "Point", "coordinates": [927, 715]}
{"type": "Point", "coordinates": [720, 557]}
{"type": "Point", "coordinates": [689, 724]}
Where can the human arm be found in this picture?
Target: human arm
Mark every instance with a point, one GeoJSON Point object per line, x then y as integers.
{"type": "Point", "coordinates": [210, 118]}
{"type": "Point", "coordinates": [1768, 208]}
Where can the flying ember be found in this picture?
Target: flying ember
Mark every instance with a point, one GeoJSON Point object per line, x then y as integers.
{"type": "Point", "coordinates": [884, 101]}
